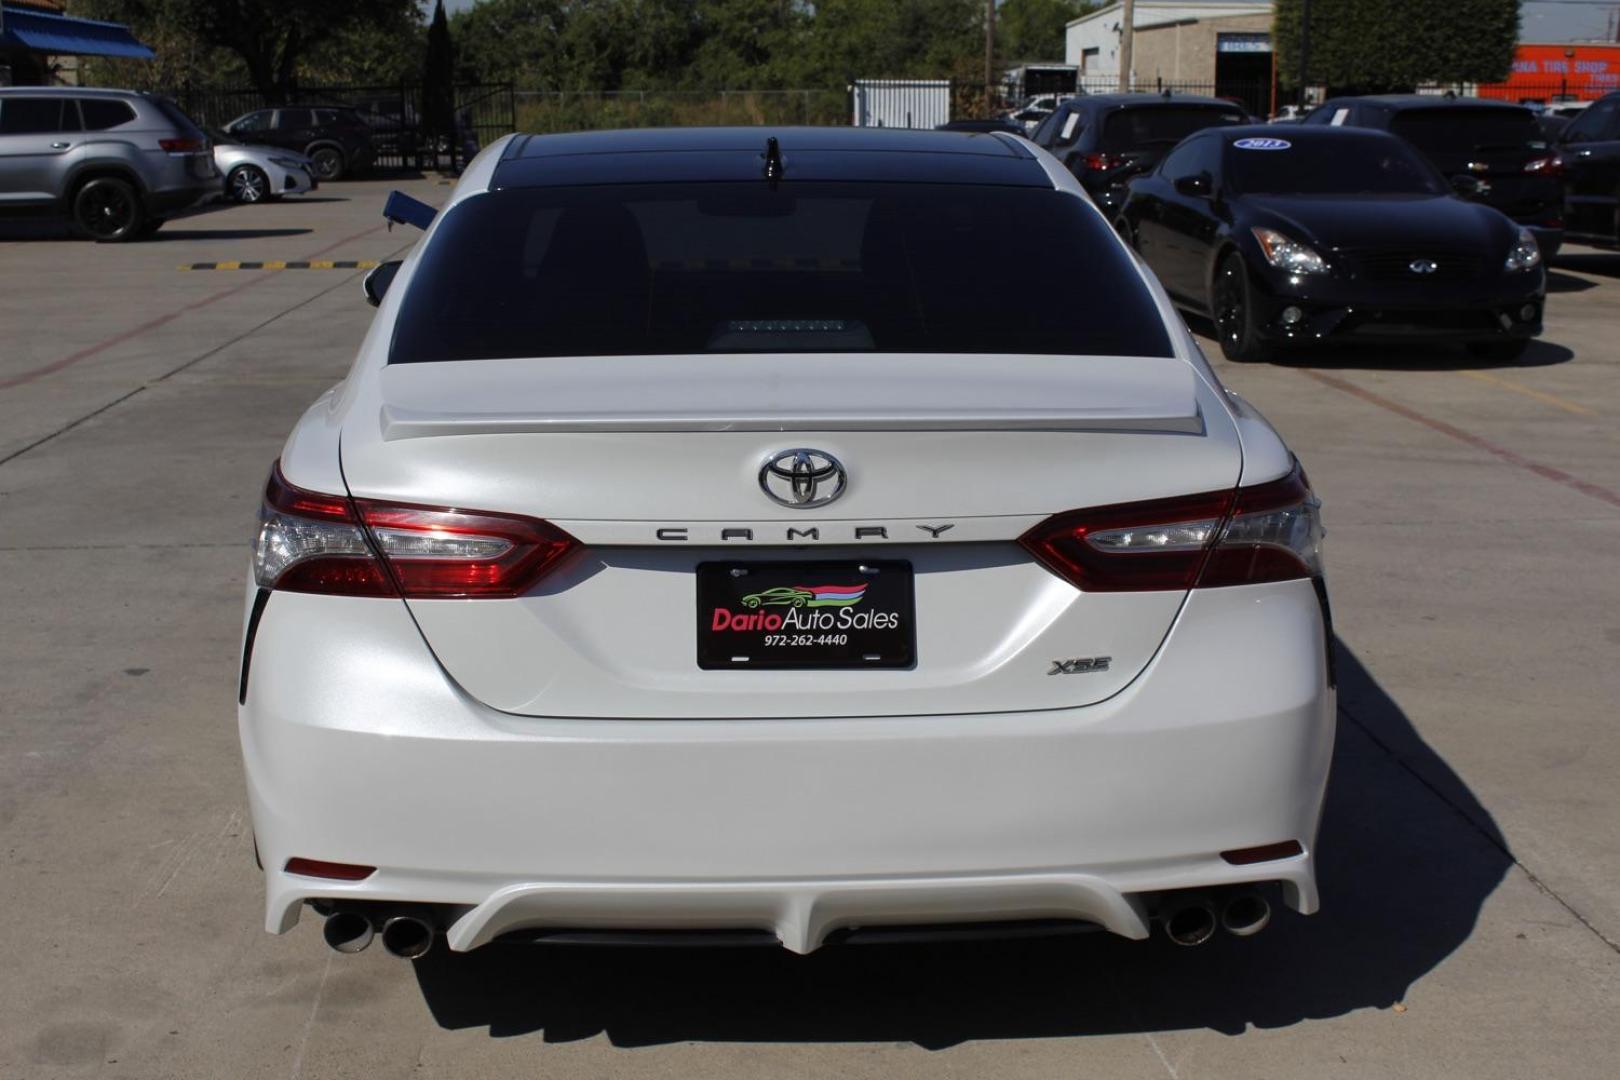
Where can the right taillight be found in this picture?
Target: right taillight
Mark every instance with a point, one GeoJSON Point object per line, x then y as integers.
{"type": "Point", "coordinates": [313, 542]}
{"type": "Point", "coordinates": [1268, 532]}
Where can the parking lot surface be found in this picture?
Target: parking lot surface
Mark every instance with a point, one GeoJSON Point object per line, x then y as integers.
{"type": "Point", "coordinates": [1470, 855]}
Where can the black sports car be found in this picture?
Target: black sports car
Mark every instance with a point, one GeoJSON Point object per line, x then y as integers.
{"type": "Point", "coordinates": [1299, 235]}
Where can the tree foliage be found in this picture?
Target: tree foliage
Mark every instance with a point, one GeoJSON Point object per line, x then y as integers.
{"type": "Point", "coordinates": [1033, 29]}
{"type": "Point", "coordinates": [273, 43]}
{"type": "Point", "coordinates": [1369, 46]}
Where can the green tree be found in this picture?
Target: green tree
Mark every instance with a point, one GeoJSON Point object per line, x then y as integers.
{"type": "Point", "coordinates": [1033, 29]}
{"type": "Point", "coordinates": [1381, 45]}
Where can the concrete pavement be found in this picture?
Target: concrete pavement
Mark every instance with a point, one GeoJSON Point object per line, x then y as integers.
{"type": "Point", "coordinates": [1471, 850]}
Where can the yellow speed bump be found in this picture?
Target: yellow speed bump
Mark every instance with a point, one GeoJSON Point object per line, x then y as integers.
{"type": "Point", "coordinates": [277, 264]}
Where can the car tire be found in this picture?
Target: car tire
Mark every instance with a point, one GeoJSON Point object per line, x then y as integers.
{"type": "Point", "coordinates": [1231, 309]}
{"type": "Point", "coordinates": [328, 162]}
{"type": "Point", "coordinates": [108, 210]}
{"type": "Point", "coordinates": [247, 184]}
{"type": "Point", "coordinates": [1499, 352]}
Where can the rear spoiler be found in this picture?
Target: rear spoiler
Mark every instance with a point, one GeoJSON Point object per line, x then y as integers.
{"type": "Point", "coordinates": [403, 210]}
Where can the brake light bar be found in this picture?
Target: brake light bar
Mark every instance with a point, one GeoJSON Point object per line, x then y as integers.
{"type": "Point", "coordinates": [1267, 532]}
{"type": "Point", "coordinates": [318, 543]}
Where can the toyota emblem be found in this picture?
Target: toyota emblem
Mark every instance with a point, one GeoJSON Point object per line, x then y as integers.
{"type": "Point", "coordinates": [802, 479]}
{"type": "Point", "coordinates": [1423, 266]}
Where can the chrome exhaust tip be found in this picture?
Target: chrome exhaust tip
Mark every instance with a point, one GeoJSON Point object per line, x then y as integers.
{"type": "Point", "coordinates": [407, 936]}
{"type": "Point", "coordinates": [347, 931]}
{"type": "Point", "coordinates": [1191, 922]}
{"type": "Point", "coordinates": [1245, 913]}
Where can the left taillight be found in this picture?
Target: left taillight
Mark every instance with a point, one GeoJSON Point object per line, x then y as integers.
{"type": "Point", "coordinates": [313, 542]}
{"type": "Point", "coordinates": [1267, 532]}
{"type": "Point", "coordinates": [183, 146]}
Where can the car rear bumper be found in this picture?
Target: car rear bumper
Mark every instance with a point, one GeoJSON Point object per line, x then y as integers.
{"type": "Point", "coordinates": [359, 749]}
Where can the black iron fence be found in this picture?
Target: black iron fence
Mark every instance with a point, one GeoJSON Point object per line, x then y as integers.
{"type": "Point", "coordinates": [396, 113]}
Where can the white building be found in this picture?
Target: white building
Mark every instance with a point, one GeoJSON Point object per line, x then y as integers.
{"type": "Point", "coordinates": [1202, 44]}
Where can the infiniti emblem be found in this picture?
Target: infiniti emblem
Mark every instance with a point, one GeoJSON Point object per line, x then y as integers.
{"type": "Point", "coordinates": [802, 479]}
{"type": "Point", "coordinates": [1423, 266]}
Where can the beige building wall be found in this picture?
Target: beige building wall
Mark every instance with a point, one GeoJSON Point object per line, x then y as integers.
{"type": "Point", "coordinates": [1185, 51]}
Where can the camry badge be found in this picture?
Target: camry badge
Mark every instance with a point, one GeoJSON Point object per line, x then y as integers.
{"type": "Point", "coordinates": [1423, 266]}
{"type": "Point", "coordinates": [802, 479]}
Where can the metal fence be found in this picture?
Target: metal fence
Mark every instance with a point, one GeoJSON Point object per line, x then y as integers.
{"type": "Point", "coordinates": [483, 113]}
{"type": "Point", "coordinates": [585, 110]}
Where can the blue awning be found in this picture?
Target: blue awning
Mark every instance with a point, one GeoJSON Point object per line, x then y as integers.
{"type": "Point", "coordinates": [41, 32]}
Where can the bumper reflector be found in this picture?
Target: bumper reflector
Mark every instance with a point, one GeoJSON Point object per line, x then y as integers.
{"type": "Point", "coordinates": [1264, 853]}
{"type": "Point", "coordinates": [335, 871]}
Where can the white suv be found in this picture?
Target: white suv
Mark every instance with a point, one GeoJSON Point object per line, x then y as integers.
{"type": "Point", "coordinates": [688, 550]}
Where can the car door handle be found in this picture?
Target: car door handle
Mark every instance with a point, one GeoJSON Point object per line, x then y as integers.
{"type": "Point", "coordinates": [60, 145]}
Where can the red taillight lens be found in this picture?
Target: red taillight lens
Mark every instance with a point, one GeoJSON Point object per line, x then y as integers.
{"type": "Point", "coordinates": [453, 553]}
{"type": "Point", "coordinates": [1268, 532]}
{"type": "Point", "coordinates": [312, 542]}
{"type": "Point", "coordinates": [182, 146]}
{"type": "Point", "coordinates": [1545, 166]}
{"type": "Point", "coordinates": [1101, 162]}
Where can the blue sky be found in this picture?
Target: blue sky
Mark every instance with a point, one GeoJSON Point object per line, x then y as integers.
{"type": "Point", "coordinates": [1567, 20]}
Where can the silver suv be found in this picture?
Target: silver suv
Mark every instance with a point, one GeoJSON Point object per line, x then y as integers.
{"type": "Point", "coordinates": [114, 161]}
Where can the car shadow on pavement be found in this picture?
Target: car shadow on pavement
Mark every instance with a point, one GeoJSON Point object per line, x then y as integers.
{"type": "Point", "coordinates": [1605, 263]}
{"type": "Point", "coordinates": [1408, 857]}
{"type": "Point", "coordinates": [225, 234]}
{"type": "Point", "coordinates": [1567, 283]}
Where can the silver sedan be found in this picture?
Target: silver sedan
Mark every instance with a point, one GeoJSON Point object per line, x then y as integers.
{"type": "Point", "coordinates": [256, 173]}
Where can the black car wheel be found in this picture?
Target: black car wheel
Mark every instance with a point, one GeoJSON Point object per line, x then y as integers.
{"type": "Point", "coordinates": [1231, 306]}
{"type": "Point", "coordinates": [1499, 352]}
{"type": "Point", "coordinates": [247, 184]}
{"type": "Point", "coordinates": [108, 210]}
{"type": "Point", "coordinates": [328, 162]}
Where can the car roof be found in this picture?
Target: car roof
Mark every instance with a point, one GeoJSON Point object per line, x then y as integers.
{"type": "Point", "coordinates": [1405, 102]}
{"type": "Point", "coordinates": [70, 91]}
{"type": "Point", "coordinates": [668, 155]}
{"type": "Point", "coordinates": [1089, 100]}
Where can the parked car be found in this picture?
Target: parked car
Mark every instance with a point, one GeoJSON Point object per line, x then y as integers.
{"type": "Point", "coordinates": [1499, 145]}
{"type": "Point", "coordinates": [114, 162]}
{"type": "Point", "coordinates": [1589, 152]}
{"type": "Point", "coordinates": [984, 126]}
{"type": "Point", "coordinates": [338, 141]}
{"type": "Point", "coordinates": [257, 173]}
{"type": "Point", "coordinates": [1105, 139]}
{"type": "Point", "coordinates": [1318, 234]}
{"type": "Point", "coordinates": [500, 676]}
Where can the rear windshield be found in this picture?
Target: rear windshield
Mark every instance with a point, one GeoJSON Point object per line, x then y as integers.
{"type": "Point", "coordinates": [730, 267]}
{"type": "Point", "coordinates": [1348, 166]}
{"type": "Point", "coordinates": [177, 116]}
{"type": "Point", "coordinates": [1148, 126]}
{"type": "Point", "coordinates": [1467, 131]}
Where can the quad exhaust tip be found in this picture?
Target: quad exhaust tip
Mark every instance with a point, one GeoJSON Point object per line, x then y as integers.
{"type": "Point", "coordinates": [1245, 913]}
{"type": "Point", "coordinates": [347, 931]}
{"type": "Point", "coordinates": [407, 936]}
{"type": "Point", "coordinates": [1191, 922]}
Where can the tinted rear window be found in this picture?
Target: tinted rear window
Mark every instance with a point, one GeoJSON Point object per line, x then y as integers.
{"type": "Point", "coordinates": [823, 267]}
{"type": "Point", "coordinates": [177, 116]}
{"type": "Point", "coordinates": [1161, 127]}
{"type": "Point", "coordinates": [1465, 131]}
{"type": "Point", "coordinates": [1347, 166]}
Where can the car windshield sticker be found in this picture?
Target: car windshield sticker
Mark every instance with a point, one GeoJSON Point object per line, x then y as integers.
{"type": "Point", "coordinates": [1339, 117]}
{"type": "Point", "coordinates": [1069, 124]}
{"type": "Point", "coordinates": [1262, 144]}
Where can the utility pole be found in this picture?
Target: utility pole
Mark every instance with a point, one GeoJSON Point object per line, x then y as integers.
{"type": "Point", "coordinates": [1127, 40]}
{"type": "Point", "coordinates": [1304, 47]}
{"type": "Point", "coordinates": [989, 57]}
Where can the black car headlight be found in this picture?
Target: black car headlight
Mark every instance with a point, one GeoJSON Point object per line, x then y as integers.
{"type": "Point", "coordinates": [1526, 253]}
{"type": "Point", "coordinates": [1286, 253]}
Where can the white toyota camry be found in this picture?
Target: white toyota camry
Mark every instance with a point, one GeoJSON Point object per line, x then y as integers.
{"type": "Point", "coordinates": [697, 549]}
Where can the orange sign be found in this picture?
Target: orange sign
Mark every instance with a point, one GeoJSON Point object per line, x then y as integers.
{"type": "Point", "coordinates": [1548, 72]}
